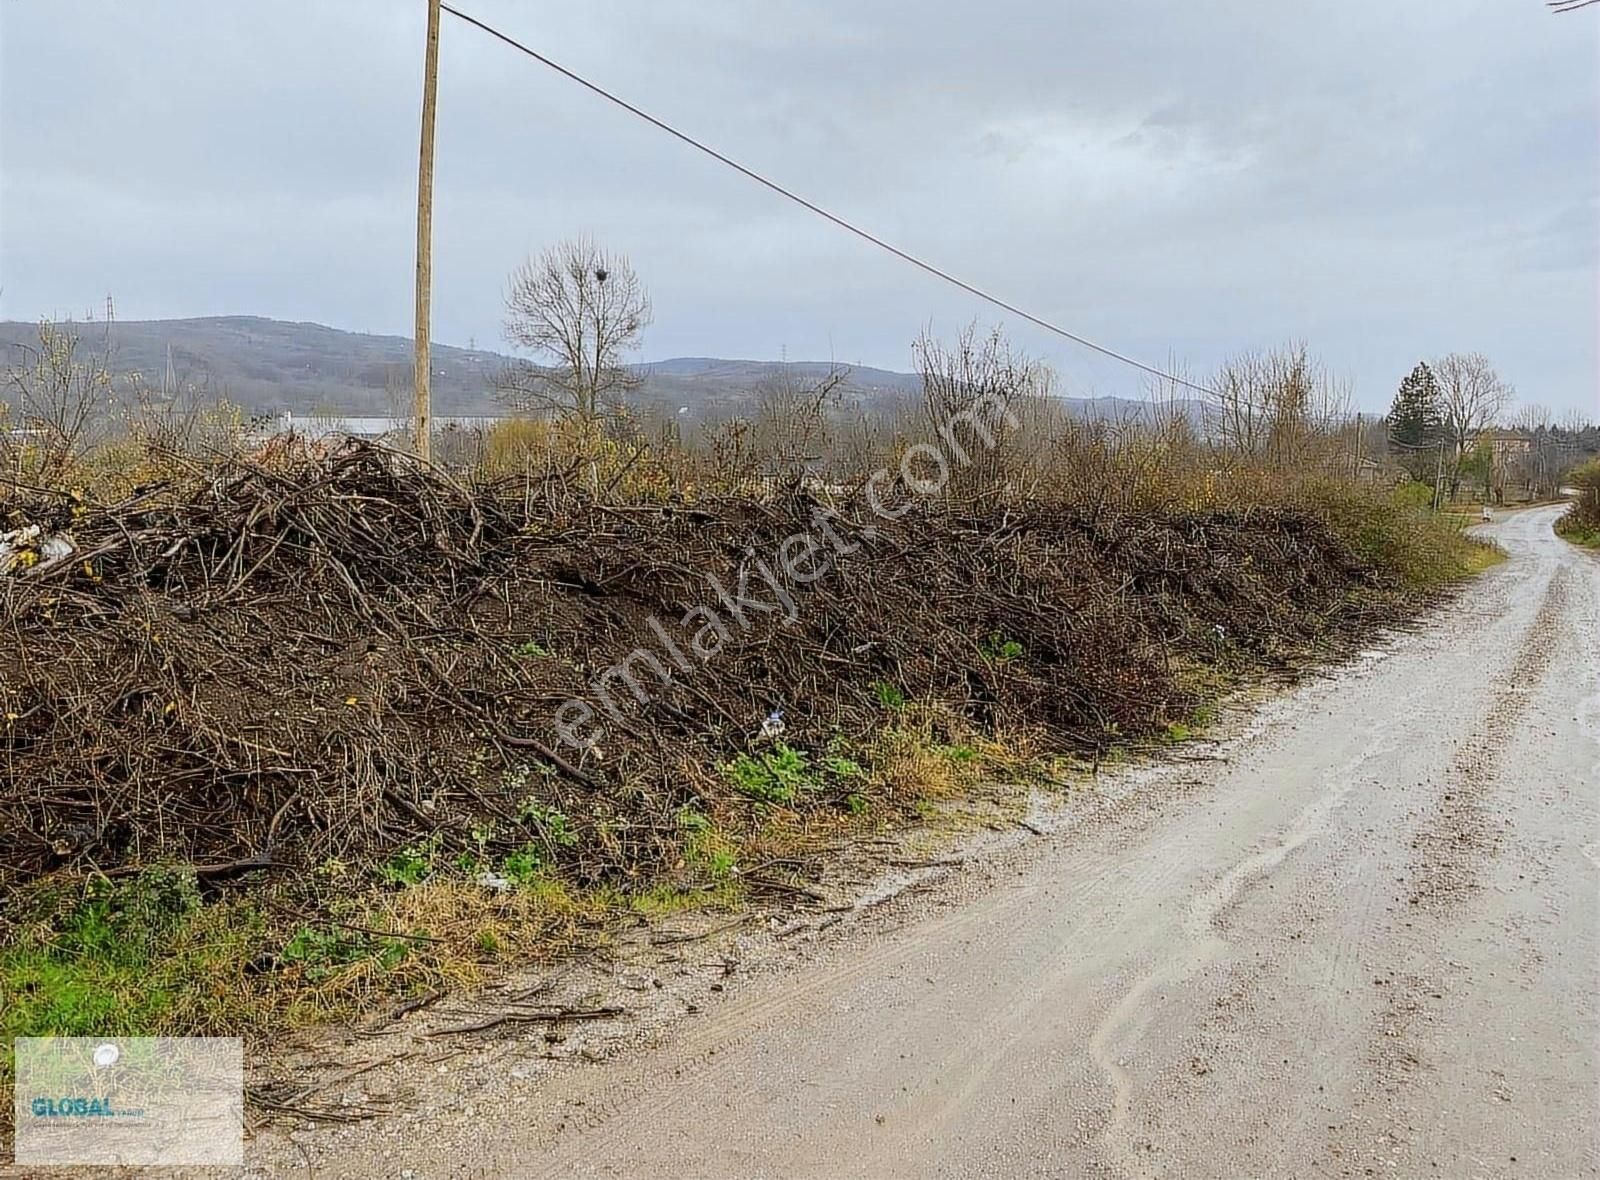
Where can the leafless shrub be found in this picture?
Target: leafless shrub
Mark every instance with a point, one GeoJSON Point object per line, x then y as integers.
{"type": "Point", "coordinates": [59, 396]}
{"type": "Point", "coordinates": [186, 417]}
{"type": "Point", "coordinates": [1149, 457]}
{"type": "Point", "coordinates": [972, 395]}
{"type": "Point", "coordinates": [791, 432]}
{"type": "Point", "coordinates": [733, 461]}
{"type": "Point", "coordinates": [1277, 406]}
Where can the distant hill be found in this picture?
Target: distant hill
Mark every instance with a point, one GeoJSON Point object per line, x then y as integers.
{"type": "Point", "coordinates": [271, 365]}
{"type": "Point", "coordinates": [267, 366]}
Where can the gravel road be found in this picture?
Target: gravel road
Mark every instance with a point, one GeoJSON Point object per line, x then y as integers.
{"type": "Point", "coordinates": [1359, 940]}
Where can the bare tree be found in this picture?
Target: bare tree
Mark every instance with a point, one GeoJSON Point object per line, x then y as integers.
{"type": "Point", "coordinates": [187, 417]}
{"type": "Point", "coordinates": [1536, 461]}
{"type": "Point", "coordinates": [1472, 397]}
{"type": "Point", "coordinates": [1472, 394]}
{"type": "Point", "coordinates": [581, 309]}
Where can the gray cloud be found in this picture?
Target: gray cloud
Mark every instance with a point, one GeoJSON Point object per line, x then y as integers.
{"type": "Point", "coordinates": [1386, 181]}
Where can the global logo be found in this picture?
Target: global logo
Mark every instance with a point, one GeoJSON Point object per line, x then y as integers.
{"type": "Point", "coordinates": [72, 1108]}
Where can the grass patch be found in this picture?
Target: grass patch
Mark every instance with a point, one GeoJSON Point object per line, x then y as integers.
{"type": "Point", "coordinates": [136, 958]}
{"type": "Point", "coordinates": [927, 756]}
{"type": "Point", "coordinates": [1481, 557]}
{"type": "Point", "coordinates": [1588, 538]}
{"type": "Point", "coordinates": [1396, 533]}
{"type": "Point", "coordinates": [144, 956]}
{"type": "Point", "coordinates": [1580, 524]}
{"type": "Point", "coordinates": [665, 900]}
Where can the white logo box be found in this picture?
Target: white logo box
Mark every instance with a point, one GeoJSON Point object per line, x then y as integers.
{"type": "Point", "coordinates": [135, 1101]}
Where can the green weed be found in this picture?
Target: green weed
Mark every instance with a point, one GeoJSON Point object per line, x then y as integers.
{"type": "Point", "coordinates": [778, 775]}
{"type": "Point", "coordinates": [1000, 650]}
{"type": "Point", "coordinates": [412, 864]}
{"type": "Point", "coordinates": [888, 695]}
{"type": "Point", "coordinates": [522, 866]}
{"type": "Point", "coordinates": [551, 824]}
{"type": "Point", "coordinates": [321, 952]}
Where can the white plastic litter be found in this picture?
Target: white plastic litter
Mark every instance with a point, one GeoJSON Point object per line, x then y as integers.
{"type": "Point", "coordinates": [494, 881]}
{"type": "Point", "coordinates": [26, 547]}
{"type": "Point", "coordinates": [14, 544]}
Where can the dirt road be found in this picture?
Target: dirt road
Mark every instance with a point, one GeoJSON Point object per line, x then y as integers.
{"type": "Point", "coordinates": [1362, 940]}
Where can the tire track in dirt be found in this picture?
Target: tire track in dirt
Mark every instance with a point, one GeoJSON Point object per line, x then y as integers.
{"type": "Point", "coordinates": [1457, 836]}
{"type": "Point", "coordinates": [1451, 847]}
{"type": "Point", "coordinates": [1450, 852]}
{"type": "Point", "coordinates": [690, 1062]}
{"type": "Point", "coordinates": [1205, 943]}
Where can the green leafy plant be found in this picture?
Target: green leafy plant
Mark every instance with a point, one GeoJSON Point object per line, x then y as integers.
{"type": "Point", "coordinates": [692, 819]}
{"type": "Point", "coordinates": [321, 952]}
{"type": "Point", "coordinates": [778, 775]}
{"type": "Point", "coordinates": [888, 695]}
{"type": "Point", "coordinates": [841, 767]}
{"type": "Point", "coordinates": [522, 866]}
{"type": "Point", "coordinates": [532, 648]}
{"type": "Point", "coordinates": [412, 864]}
{"type": "Point", "coordinates": [705, 846]}
{"type": "Point", "coordinates": [551, 823]}
{"type": "Point", "coordinates": [999, 649]}
{"type": "Point", "coordinates": [483, 834]}
{"type": "Point", "coordinates": [720, 861]}
{"type": "Point", "coordinates": [125, 921]}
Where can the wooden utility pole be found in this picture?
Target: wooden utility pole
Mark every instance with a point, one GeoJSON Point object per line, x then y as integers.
{"type": "Point", "coordinates": [422, 408]}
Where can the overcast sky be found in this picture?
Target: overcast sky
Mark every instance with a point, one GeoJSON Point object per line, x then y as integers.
{"type": "Point", "coordinates": [1387, 181]}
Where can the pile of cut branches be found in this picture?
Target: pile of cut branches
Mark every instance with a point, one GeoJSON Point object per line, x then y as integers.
{"type": "Point", "coordinates": [341, 656]}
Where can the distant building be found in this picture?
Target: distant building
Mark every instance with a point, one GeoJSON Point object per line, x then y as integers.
{"type": "Point", "coordinates": [1509, 451]}
{"type": "Point", "coordinates": [318, 427]}
{"type": "Point", "coordinates": [1508, 445]}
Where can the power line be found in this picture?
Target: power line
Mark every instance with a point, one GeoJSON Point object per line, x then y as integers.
{"type": "Point", "coordinates": [813, 207]}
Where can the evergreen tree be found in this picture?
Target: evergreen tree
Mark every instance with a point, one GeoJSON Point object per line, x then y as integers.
{"type": "Point", "coordinates": [1416, 420]}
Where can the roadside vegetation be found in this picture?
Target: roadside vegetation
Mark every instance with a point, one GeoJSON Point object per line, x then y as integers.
{"type": "Point", "coordinates": [1581, 522]}
{"type": "Point", "coordinates": [284, 721]}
